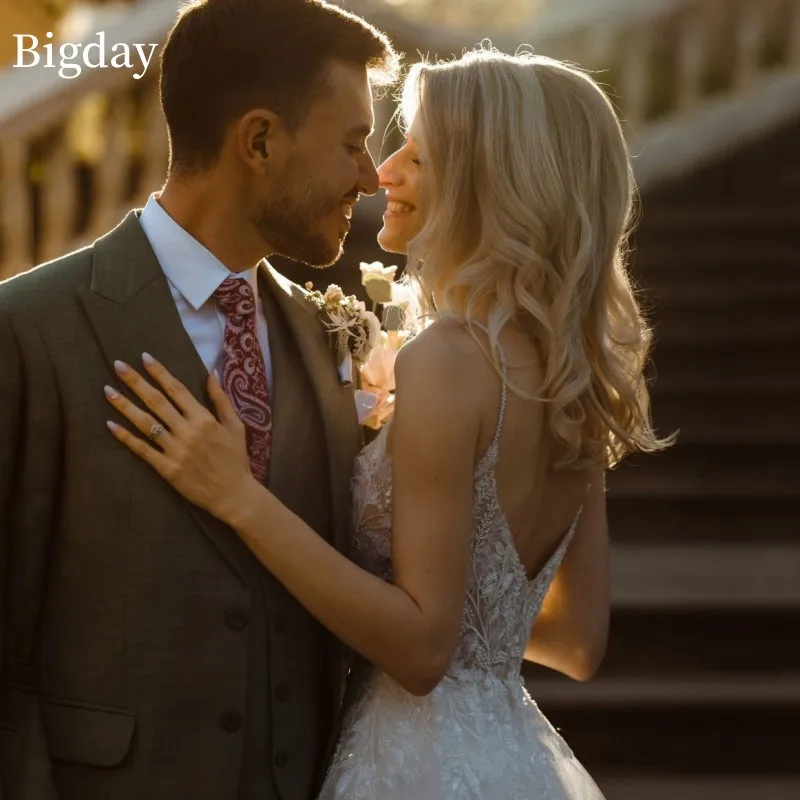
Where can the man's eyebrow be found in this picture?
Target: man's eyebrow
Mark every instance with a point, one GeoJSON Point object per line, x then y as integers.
{"type": "Point", "coordinates": [364, 131]}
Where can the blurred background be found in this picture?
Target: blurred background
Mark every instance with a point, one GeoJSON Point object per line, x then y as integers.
{"type": "Point", "coordinates": [699, 697]}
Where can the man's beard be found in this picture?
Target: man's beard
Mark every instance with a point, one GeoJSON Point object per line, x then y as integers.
{"type": "Point", "coordinates": [290, 223]}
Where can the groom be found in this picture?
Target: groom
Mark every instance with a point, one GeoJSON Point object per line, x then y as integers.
{"type": "Point", "coordinates": [146, 655]}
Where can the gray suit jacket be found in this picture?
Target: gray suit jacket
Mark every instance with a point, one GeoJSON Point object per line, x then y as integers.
{"type": "Point", "coordinates": [146, 653]}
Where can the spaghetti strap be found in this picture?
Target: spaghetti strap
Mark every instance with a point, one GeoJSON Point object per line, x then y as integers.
{"type": "Point", "coordinates": [494, 447]}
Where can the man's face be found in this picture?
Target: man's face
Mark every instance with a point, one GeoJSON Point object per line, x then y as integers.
{"type": "Point", "coordinates": [305, 210]}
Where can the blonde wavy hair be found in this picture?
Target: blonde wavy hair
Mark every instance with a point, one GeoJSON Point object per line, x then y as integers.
{"type": "Point", "coordinates": [527, 196]}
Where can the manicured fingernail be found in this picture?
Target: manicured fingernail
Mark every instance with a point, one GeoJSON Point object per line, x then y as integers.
{"type": "Point", "coordinates": [216, 375]}
{"type": "Point", "coordinates": [148, 360]}
{"type": "Point", "coordinates": [111, 393]}
{"type": "Point", "coordinates": [112, 426]}
{"type": "Point", "coordinates": [121, 367]}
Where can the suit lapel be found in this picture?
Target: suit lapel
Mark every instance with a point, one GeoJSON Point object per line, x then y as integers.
{"type": "Point", "coordinates": [131, 309]}
{"type": "Point", "coordinates": [292, 405]}
{"type": "Point", "coordinates": [335, 401]}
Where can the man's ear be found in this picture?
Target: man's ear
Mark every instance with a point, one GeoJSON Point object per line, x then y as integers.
{"type": "Point", "coordinates": [258, 133]}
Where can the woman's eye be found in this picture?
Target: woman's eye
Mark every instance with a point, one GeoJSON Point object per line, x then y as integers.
{"type": "Point", "coordinates": [416, 161]}
{"type": "Point", "coordinates": [361, 149]}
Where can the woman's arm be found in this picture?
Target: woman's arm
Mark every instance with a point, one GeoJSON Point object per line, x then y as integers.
{"type": "Point", "coordinates": [409, 629]}
{"type": "Point", "coordinates": [571, 631]}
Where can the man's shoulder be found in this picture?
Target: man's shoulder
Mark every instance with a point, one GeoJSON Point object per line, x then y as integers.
{"type": "Point", "coordinates": [290, 288]}
{"type": "Point", "coordinates": [27, 290]}
{"type": "Point", "coordinates": [60, 279]}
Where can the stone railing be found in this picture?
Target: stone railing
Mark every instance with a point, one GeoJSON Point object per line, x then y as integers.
{"type": "Point", "coordinates": [690, 77]}
{"type": "Point", "coordinates": [76, 154]}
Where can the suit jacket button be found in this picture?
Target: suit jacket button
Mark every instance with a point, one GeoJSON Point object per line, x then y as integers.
{"type": "Point", "coordinates": [282, 692]}
{"type": "Point", "coordinates": [281, 760]}
{"type": "Point", "coordinates": [236, 618]}
{"type": "Point", "coordinates": [230, 721]}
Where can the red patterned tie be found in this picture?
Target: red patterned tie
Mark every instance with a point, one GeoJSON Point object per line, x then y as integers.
{"type": "Point", "coordinates": [244, 376]}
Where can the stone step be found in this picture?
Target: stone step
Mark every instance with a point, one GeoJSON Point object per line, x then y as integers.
{"type": "Point", "coordinates": [764, 322]}
{"type": "Point", "coordinates": [748, 363]}
{"type": "Point", "coordinates": [700, 520]}
{"type": "Point", "coordinates": [686, 575]}
{"type": "Point", "coordinates": [704, 787]}
{"type": "Point", "coordinates": [699, 644]}
{"type": "Point", "coordinates": [731, 217]}
{"type": "Point", "coordinates": [715, 237]}
{"type": "Point", "coordinates": [733, 292]}
{"type": "Point", "coordinates": [743, 415]}
{"type": "Point", "coordinates": [706, 692]}
{"type": "Point", "coordinates": [693, 256]}
{"type": "Point", "coordinates": [717, 472]}
{"type": "Point", "coordinates": [649, 740]}
{"type": "Point", "coordinates": [707, 375]}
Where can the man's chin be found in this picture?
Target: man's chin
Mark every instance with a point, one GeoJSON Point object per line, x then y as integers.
{"type": "Point", "coordinates": [319, 257]}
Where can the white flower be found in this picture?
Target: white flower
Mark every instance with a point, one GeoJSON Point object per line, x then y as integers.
{"type": "Point", "coordinates": [378, 281]}
{"type": "Point", "coordinates": [377, 269]}
{"type": "Point", "coordinates": [333, 296]}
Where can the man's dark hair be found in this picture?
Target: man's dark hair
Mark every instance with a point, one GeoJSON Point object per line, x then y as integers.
{"type": "Point", "coordinates": [223, 58]}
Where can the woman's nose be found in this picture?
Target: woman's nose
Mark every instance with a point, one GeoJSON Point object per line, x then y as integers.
{"type": "Point", "coordinates": [387, 174]}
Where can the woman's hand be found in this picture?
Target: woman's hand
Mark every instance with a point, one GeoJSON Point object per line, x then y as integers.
{"type": "Point", "coordinates": [205, 459]}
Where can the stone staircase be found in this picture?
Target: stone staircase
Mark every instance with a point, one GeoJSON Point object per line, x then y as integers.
{"type": "Point", "coordinates": [709, 683]}
{"type": "Point", "coordinates": [706, 684]}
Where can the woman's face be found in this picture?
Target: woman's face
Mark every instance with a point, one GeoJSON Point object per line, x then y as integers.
{"type": "Point", "coordinates": [399, 175]}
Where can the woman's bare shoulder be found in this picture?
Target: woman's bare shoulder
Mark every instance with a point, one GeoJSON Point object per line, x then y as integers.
{"type": "Point", "coordinates": [444, 359]}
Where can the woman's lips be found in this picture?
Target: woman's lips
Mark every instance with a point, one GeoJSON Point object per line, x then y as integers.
{"type": "Point", "coordinates": [397, 207]}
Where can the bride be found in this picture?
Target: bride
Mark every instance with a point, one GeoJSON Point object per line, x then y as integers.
{"type": "Point", "coordinates": [479, 509]}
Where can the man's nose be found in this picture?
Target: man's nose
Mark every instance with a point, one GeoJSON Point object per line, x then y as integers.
{"type": "Point", "coordinates": [368, 178]}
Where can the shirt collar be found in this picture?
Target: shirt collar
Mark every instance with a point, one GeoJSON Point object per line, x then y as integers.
{"type": "Point", "coordinates": [189, 266]}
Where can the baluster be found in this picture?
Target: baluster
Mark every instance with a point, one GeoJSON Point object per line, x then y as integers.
{"type": "Point", "coordinates": [16, 213]}
{"type": "Point", "coordinates": [750, 27]}
{"type": "Point", "coordinates": [793, 22]}
{"type": "Point", "coordinates": [636, 44]}
{"type": "Point", "coordinates": [58, 200]}
{"type": "Point", "coordinates": [692, 45]}
{"type": "Point", "coordinates": [112, 172]}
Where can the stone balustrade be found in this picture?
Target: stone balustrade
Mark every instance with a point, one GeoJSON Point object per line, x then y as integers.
{"type": "Point", "coordinates": [76, 154]}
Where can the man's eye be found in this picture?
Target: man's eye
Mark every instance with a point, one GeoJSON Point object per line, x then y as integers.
{"type": "Point", "coordinates": [361, 149]}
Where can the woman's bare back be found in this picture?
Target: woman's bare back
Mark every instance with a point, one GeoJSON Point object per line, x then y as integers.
{"type": "Point", "coordinates": [539, 501]}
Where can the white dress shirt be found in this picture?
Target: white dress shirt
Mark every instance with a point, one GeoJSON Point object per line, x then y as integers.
{"type": "Point", "coordinates": [194, 274]}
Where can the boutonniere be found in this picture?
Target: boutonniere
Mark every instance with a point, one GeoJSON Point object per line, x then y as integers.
{"type": "Point", "coordinates": [352, 330]}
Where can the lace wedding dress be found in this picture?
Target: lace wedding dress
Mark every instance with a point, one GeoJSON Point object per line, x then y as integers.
{"type": "Point", "coordinates": [478, 735]}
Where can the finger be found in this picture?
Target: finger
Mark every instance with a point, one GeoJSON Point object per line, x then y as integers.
{"type": "Point", "coordinates": [222, 404]}
{"type": "Point", "coordinates": [141, 420]}
{"type": "Point", "coordinates": [151, 397]}
{"type": "Point", "coordinates": [180, 396]}
{"type": "Point", "coordinates": [139, 447]}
